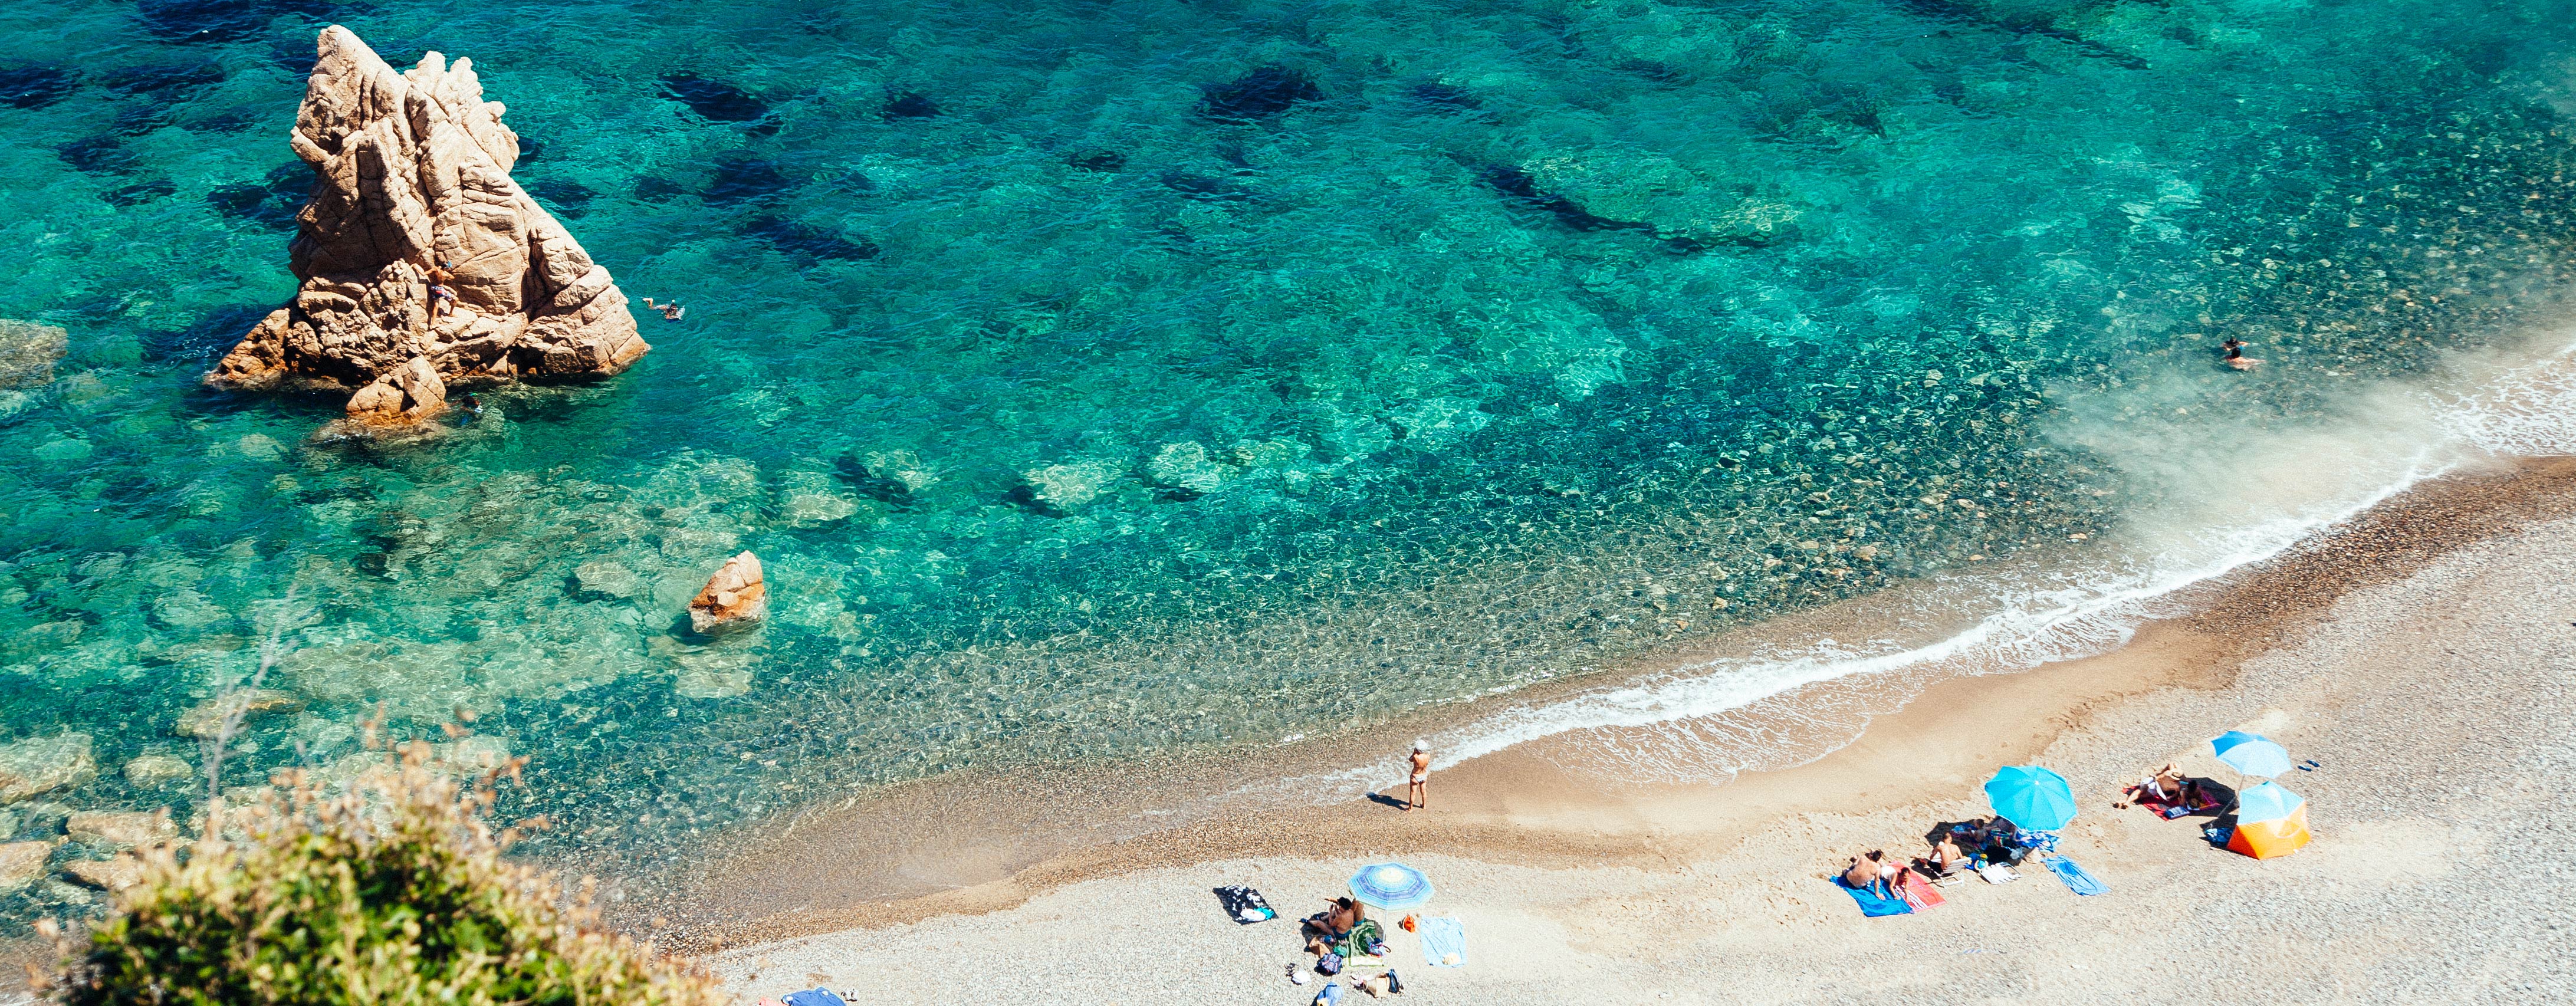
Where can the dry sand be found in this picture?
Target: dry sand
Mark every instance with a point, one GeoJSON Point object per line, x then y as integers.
{"type": "Point", "coordinates": [2424, 656]}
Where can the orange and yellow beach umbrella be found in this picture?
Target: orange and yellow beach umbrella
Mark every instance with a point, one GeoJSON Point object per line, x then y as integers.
{"type": "Point", "coordinates": [2270, 821]}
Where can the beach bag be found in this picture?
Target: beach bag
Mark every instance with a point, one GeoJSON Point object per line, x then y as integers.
{"type": "Point", "coordinates": [1328, 965]}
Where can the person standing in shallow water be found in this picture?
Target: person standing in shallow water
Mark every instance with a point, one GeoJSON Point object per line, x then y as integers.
{"type": "Point", "coordinates": [2236, 355]}
{"type": "Point", "coordinates": [1416, 788]}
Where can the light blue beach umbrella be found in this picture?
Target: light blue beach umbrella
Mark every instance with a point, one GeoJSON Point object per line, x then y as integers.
{"type": "Point", "coordinates": [2032, 797]}
{"type": "Point", "coordinates": [2266, 801]}
{"type": "Point", "coordinates": [2252, 754]}
{"type": "Point", "coordinates": [1390, 885]}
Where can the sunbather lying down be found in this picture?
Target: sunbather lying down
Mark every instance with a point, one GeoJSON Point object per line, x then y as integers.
{"type": "Point", "coordinates": [2166, 786]}
{"type": "Point", "coordinates": [1875, 872]}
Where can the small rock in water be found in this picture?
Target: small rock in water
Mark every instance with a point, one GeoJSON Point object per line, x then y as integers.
{"type": "Point", "coordinates": [601, 576]}
{"type": "Point", "coordinates": [38, 764]}
{"type": "Point", "coordinates": [116, 874]}
{"type": "Point", "coordinates": [207, 718]}
{"type": "Point", "coordinates": [122, 828]}
{"type": "Point", "coordinates": [153, 770]}
{"type": "Point", "coordinates": [28, 352]}
{"type": "Point", "coordinates": [734, 599]}
{"type": "Point", "coordinates": [22, 863]}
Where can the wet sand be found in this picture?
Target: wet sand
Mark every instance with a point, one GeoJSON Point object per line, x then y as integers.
{"type": "Point", "coordinates": [2439, 616]}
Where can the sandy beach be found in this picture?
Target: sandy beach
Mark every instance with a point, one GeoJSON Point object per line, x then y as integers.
{"type": "Point", "coordinates": [2420, 654]}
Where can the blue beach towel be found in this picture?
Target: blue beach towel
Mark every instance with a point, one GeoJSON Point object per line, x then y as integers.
{"type": "Point", "coordinates": [1871, 904]}
{"type": "Point", "coordinates": [1444, 942]}
{"type": "Point", "coordinates": [2077, 878]}
{"type": "Point", "coordinates": [813, 997]}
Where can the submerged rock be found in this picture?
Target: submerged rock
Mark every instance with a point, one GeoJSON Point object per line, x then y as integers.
{"type": "Point", "coordinates": [23, 863]}
{"type": "Point", "coordinates": [28, 352]}
{"type": "Point", "coordinates": [122, 828]}
{"type": "Point", "coordinates": [207, 718]}
{"type": "Point", "coordinates": [608, 579]}
{"type": "Point", "coordinates": [153, 770]}
{"type": "Point", "coordinates": [734, 599]}
{"type": "Point", "coordinates": [116, 874]}
{"type": "Point", "coordinates": [413, 177]}
{"type": "Point", "coordinates": [38, 764]}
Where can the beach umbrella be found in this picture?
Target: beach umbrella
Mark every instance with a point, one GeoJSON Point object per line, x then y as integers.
{"type": "Point", "coordinates": [2032, 797]}
{"type": "Point", "coordinates": [2270, 821]}
{"type": "Point", "coordinates": [1390, 885]}
{"type": "Point", "coordinates": [2252, 754]}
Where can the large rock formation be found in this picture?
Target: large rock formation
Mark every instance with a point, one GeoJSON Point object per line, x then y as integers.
{"type": "Point", "coordinates": [412, 174]}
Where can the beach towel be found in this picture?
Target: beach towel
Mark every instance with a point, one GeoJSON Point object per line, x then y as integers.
{"type": "Point", "coordinates": [1873, 905]}
{"type": "Point", "coordinates": [814, 997]}
{"type": "Point", "coordinates": [1362, 940]}
{"type": "Point", "coordinates": [1245, 905]}
{"type": "Point", "coordinates": [1919, 894]}
{"type": "Point", "coordinates": [1998, 874]}
{"type": "Point", "coordinates": [2077, 878]}
{"type": "Point", "coordinates": [1444, 942]}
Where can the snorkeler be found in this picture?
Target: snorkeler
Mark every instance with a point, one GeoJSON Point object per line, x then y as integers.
{"type": "Point", "coordinates": [2236, 355]}
{"type": "Point", "coordinates": [670, 312]}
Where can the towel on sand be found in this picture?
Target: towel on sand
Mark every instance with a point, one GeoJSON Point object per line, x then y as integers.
{"type": "Point", "coordinates": [1871, 904]}
{"type": "Point", "coordinates": [1444, 942]}
{"type": "Point", "coordinates": [1918, 892]}
{"type": "Point", "coordinates": [2077, 878]}
{"type": "Point", "coordinates": [814, 997]}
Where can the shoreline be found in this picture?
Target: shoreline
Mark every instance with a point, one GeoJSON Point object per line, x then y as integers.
{"type": "Point", "coordinates": [2420, 652]}
{"type": "Point", "coordinates": [1549, 805]}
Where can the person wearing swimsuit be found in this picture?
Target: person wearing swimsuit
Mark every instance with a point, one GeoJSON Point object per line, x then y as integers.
{"type": "Point", "coordinates": [1414, 789]}
{"type": "Point", "coordinates": [2236, 355]}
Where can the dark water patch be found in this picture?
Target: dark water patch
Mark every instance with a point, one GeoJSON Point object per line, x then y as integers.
{"type": "Point", "coordinates": [207, 338]}
{"type": "Point", "coordinates": [909, 105]}
{"type": "Point", "coordinates": [137, 120]}
{"type": "Point", "coordinates": [1201, 187]}
{"type": "Point", "coordinates": [99, 155]}
{"type": "Point", "coordinates": [870, 484]}
{"type": "Point", "coordinates": [1265, 92]}
{"type": "Point", "coordinates": [655, 188]}
{"type": "Point", "coordinates": [713, 100]}
{"type": "Point", "coordinates": [197, 21]}
{"type": "Point", "coordinates": [1655, 72]}
{"type": "Point", "coordinates": [1517, 185]}
{"type": "Point", "coordinates": [529, 149]}
{"type": "Point", "coordinates": [1098, 160]}
{"type": "Point", "coordinates": [35, 85]}
{"type": "Point", "coordinates": [139, 193]}
{"type": "Point", "coordinates": [227, 122]}
{"type": "Point", "coordinates": [1444, 99]}
{"type": "Point", "coordinates": [808, 241]}
{"type": "Point", "coordinates": [2028, 25]}
{"type": "Point", "coordinates": [743, 178]}
{"type": "Point", "coordinates": [273, 202]}
{"type": "Point", "coordinates": [166, 82]}
{"type": "Point", "coordinates": [568, 200]}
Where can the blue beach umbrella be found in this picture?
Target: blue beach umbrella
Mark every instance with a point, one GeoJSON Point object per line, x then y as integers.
{"type": "Point", "coordinates": [2252, 754]}
{"type": "Point", "coordinates": [2032, 797]}
{"type": "Point", "coordinates": [2266, 801]}
{"type": "Point", "coordinates": [1390, 885]}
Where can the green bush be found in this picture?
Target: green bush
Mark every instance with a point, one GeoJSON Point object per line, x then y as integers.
{"type": "Point", "coordinates": [388, 890]}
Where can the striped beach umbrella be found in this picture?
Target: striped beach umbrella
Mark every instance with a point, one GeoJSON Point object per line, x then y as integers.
{"type": "Point", "coordinates": [1390, 885]}
{"type": "Point", "coordinates": [2270, 821]}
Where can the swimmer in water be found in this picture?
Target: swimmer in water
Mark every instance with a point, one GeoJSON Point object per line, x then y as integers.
{"type": "Point", "coordinates": [670, 312]}
{"type": "Point", "coordinates": [2236, 355]}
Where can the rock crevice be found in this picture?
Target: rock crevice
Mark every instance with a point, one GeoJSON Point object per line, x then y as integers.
{"type": "Point", "coordinates": [412, 192]}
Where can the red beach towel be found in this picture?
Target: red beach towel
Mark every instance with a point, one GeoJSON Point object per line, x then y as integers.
{"type": "Point", "coordinates": [1919, 893]}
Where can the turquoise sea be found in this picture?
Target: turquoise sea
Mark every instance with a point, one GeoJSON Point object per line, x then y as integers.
{"type": "Point", "coordinates": [1104, 378]}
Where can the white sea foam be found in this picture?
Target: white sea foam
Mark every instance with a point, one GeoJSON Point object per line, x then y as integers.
{"type": "Point", "coordinates": [2227, 497]}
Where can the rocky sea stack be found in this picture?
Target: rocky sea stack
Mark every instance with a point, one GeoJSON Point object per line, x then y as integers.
{"type": "Point", "coordinates": [412, 181]}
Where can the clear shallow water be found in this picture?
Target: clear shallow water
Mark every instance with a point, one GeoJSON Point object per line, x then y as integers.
{"type": "Point", "coordinates": [1101, 379]}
